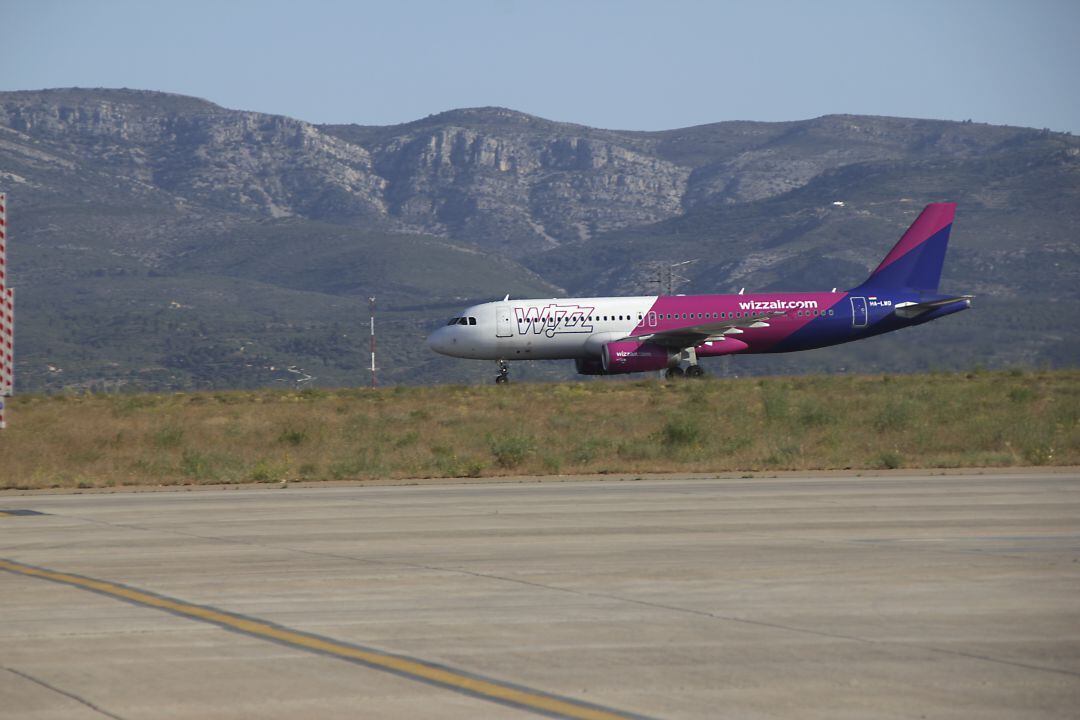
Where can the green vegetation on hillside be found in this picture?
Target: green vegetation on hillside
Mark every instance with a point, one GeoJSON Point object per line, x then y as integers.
{"type": "Point", "coordinates": [162, 243]}
{"type": "Point", "coordinates": [977, 419]}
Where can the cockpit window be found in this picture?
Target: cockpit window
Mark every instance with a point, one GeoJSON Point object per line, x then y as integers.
{"type": "Point", "coordinates": [472, 321]}
{"type": "Point", "coordinates": [463, 321]}
{"type": "Point", "coordinates": [453, 321]}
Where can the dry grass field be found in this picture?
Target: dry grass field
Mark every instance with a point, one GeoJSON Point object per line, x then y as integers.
{"type": "Point", "coordinates": [977, 419]}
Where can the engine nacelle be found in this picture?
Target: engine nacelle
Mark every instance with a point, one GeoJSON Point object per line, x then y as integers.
{"type": "Point", "coordinates": [630, 357]}
{"type": "Point", "coordinates": [590, 366]}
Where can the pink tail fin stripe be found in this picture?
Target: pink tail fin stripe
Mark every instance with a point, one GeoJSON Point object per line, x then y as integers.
{"type": "Point", "coordinates": [934, 217]}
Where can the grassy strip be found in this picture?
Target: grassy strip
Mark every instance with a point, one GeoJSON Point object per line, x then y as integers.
{"type": "Point", "coordinates": [978, 419]}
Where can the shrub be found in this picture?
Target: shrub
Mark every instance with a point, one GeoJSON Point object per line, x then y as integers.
{"type": "Point", "coordinates": [893, 416]}
{"type": "Point", "coordinates": [680, 432]}
{"type": "Point", "coordinates": [197, 465]}
{"type": "Point", "coordinates": [510, 451]}
{"type": "Point", "coordinates": [169, 437]}
{"type": "Point", "coordinates": [890, 459]}
{"type": "Point", "coordinates": [774, 401]}
{"type": "Point", "coordinates": [813, 413]}
{"type": "Point", "coordinates": [1021, 395]}
{"type": "Point", "coordinates": [292, 436]}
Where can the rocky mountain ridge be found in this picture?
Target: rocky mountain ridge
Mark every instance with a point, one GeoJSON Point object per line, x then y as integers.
{"type": "Point", "coordinates": [490, 176]}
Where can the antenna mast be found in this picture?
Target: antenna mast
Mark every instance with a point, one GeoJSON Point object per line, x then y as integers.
{"type": "Point", "coordinates": [667, 277]}
{"type": "Point", "coordinates": [371, 308]}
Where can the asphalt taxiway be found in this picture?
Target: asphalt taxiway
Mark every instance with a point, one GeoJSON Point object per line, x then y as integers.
{"type": "Point", "coordinates": [945, 596]}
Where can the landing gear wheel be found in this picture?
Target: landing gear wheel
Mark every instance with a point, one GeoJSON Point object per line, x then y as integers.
{"type": "Point", "coordinates": [504, 373]}
{"type": "Point", "coordinates": [695, 371]}
{"type": "Point", "coordinates": [673, 373]}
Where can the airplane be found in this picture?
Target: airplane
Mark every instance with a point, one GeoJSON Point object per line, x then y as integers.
{"type": "Point", "coordinates": [619, 335]}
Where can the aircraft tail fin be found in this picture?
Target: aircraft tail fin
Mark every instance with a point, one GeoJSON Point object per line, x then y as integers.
{"type": "Point", "coordinates": [915, 262]}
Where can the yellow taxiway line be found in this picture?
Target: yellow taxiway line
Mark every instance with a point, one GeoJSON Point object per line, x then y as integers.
{"type": "Point", "coordinates": [412, 668]}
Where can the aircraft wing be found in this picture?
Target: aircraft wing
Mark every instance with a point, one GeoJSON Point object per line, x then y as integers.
{"type": "Point", "coordinates": [694, 335]}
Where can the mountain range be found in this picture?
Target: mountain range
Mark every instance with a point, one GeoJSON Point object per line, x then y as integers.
{"type": "Point", "coordinates": [162, 242]}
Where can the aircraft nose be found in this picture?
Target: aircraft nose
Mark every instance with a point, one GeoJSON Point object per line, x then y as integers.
{"type": "Point", "coordinates": [439, 341]}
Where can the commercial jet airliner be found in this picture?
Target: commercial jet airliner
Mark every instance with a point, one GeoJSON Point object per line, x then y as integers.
{"type": "Point", "coordinates": [617, 335]}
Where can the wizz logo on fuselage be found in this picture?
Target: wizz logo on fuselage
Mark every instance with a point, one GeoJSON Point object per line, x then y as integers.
{"type": "Point", "coordinates": [553, 319]}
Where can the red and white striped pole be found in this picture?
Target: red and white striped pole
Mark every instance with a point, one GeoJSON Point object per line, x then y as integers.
{"type": "Point", "coordinates": [7, 319]}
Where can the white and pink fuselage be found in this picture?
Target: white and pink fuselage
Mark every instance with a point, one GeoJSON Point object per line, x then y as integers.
{"type": "Point", "coordinates": [611, 335]}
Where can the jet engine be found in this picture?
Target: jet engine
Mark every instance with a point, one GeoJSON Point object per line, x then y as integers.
{"type": "Point", "coordinates": [630, 357]}
{"type": "Point", "coordinates": [590, 366]}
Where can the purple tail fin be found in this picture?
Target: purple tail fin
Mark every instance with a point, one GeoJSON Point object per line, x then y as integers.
{"type": "Point", "coordinates": [915, 262]}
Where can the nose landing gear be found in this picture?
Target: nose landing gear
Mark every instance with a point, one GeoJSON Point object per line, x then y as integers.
{"type": "Point", "coordinates": [504, 372]}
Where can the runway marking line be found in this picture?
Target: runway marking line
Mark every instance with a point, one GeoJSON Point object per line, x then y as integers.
{"type": "Point", "coordinates": [412, 668]}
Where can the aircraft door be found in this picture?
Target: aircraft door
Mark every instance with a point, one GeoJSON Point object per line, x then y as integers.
{"type": "Point", "coordinates": [859, 315]}
{"type": "Point", "coordinates": [504, 326]}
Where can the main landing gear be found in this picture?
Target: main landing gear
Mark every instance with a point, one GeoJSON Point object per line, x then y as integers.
{"type": "Point", "coordinates": [693, 370]}
{"type": "Point", "coordinates": [504, 372]}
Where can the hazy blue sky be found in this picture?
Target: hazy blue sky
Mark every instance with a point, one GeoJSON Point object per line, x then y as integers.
{"type": "Point", "coordinates": [635, 65]}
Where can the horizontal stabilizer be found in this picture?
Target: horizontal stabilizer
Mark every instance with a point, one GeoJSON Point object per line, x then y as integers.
{"type": "Point", "coordinates": [913, 310]}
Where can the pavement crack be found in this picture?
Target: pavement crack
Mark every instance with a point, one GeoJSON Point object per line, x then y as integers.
{"type": "Point", "coordinates": [81, 700]}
